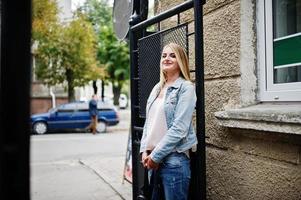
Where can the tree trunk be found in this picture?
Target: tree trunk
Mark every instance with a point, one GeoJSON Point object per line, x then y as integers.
{"type": "Point", "coordinates": [102, 90]}
{"type": "Point", "coordinates": [69, 77]}
{"type": "Point", "coordinates": [116, 93]}
{"type": "Point", "coordinates": [94, 87]}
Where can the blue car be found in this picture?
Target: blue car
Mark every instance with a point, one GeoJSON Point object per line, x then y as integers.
{"type": "Point", "coordinates": [73, 115]}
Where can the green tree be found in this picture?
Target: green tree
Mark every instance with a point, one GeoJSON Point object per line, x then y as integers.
{"type": "Point", "coordinates": [45, 24]}
{"type": "Point", "coordinates": [78, 59]}
{"type": "Point", "coordinates": [115, 56]}
{"type": "Point", "coordinates": [111, 53]}
{"type": "Point", "coordinates": [46, 31]}
{"type": "Point", "coordinates": [66, 54]}
{"type": "Point", "coordinates": [98, 14]}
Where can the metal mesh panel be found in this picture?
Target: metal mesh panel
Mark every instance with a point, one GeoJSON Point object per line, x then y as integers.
{"type": "Point", "coordinates": [149, 55]}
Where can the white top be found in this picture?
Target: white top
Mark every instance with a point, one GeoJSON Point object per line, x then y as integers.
{"type": "Point", "coordinates": [157, 124]}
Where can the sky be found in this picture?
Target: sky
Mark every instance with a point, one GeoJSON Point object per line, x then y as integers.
{"type": "Point", "coordinates": [76, 3]}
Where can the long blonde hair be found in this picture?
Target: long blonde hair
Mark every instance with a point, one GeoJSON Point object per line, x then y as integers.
{"type": "Point", "coordinates": [182, 60]}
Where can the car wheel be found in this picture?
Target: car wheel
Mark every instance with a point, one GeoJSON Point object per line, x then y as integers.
{"type": "Point", "coordinates": [40, 128]}
{"type": "Point", "coordinates": [101, 127]}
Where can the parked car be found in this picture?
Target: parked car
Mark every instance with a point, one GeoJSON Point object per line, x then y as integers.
{"type": "Point", "coordinates": [123, 101]}
{"type": "Point", "coordinates": [73, 115]}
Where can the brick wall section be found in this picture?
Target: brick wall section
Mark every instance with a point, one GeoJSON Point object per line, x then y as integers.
{"type": "Point", "coordinates": [40, 97]}
{"type": "Point", "coordinates": [43, 104]}
{"type": "Point", "coordinates": [241, 164]}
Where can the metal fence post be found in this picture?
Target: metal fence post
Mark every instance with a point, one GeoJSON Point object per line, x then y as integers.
{"type": "Point", "coordinates": [200, 166]}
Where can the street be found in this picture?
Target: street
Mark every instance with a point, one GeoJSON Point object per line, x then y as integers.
{"type": "Point", "coordinates": [79, 166]}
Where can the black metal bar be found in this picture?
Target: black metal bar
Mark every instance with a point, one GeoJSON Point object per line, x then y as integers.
{"type": "Point", "coordinates": [179, 18]}
{"type": "Point", "coordinates": [164, 15]}
{"type": "Point", "coordinates": [189, 34]}
{"type": "Point", "coordinates": [187, 41]}
{"type": "Point", "coordinates": [133, 63]}
{"type": "Point", "coordinates": [15, 99]}
{"type": "Point", "coordinates": [200, 164]}
{"type": "Point", "coordinates": [136, 128]}
{"type": "Point", "coordinates": [158, 32]}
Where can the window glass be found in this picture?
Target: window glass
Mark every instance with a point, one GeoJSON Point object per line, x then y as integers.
{"type": "Point", "coordinates": [83, 106]}
{"type": "Point", "coordinates": [286, 41]}
{"type": "Point", "coordinates": [67, 107]}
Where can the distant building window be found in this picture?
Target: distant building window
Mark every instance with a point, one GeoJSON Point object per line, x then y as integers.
{"type": "Point", "coordinates": [282, 66]}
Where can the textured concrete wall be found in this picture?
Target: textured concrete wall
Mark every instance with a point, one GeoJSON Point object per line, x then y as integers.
{"type": "Point", "coordinates": [255, 165]}
{"type": "Point", "coordinates": [241, 164]}
{"type": "Point", "coordinates": [248, 48]}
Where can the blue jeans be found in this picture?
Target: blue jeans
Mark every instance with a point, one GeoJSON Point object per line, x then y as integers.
{"type": "Point", "coordinates": [172, 178]}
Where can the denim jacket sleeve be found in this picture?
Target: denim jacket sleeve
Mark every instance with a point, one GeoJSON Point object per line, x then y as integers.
{"type": "Point", "coordinates": [180, 125]}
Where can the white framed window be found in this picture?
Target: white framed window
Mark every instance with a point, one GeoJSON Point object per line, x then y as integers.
{"type": "Point", "coordinates": [279, 49]}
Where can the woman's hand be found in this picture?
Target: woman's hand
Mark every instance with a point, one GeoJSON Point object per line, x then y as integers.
{"type": "Point", "coordinates": [144, 155]}
{"type": "Point", "coordinates": [148, 162]}
{"type": "Point", "coordinates": [151, 164]}
{"type": "Point", "coordinates": [144, 158]}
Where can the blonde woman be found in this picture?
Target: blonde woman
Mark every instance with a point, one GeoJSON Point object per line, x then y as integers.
{"type": "Point", "coordinates": [168, 133]}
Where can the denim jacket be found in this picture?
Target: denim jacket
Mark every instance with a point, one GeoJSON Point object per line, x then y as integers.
{"type": "Point", "coordinates": [93, 108]}
{"type": "Point", "coordinates": [179, 104]}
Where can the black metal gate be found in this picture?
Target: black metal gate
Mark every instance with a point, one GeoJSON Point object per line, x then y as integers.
{"type": "Point", "coordinates": [145, 49]}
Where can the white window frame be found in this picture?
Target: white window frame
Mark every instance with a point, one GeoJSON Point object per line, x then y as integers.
{"type": "Point", "coordinates": [269, 91]}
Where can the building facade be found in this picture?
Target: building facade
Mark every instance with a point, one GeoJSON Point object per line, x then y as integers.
{"type": "Point", "coordinates": [252, 51]}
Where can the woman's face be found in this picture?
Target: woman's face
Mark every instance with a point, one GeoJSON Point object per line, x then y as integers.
{"type": "Point", "coordinates": [169, 61]}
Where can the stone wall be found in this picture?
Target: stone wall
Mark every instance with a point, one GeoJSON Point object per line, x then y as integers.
{"type": "Point", "coordinates": [241, 163]}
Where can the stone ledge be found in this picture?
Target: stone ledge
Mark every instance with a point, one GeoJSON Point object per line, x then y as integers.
{"type": "Point", "coordinates": [284, 118]}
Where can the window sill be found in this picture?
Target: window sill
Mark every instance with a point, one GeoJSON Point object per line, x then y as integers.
{"type": "Point", "coordinates": [284, 118]}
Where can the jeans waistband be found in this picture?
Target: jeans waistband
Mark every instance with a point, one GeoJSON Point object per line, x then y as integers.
{"type": "Point", "coordinates": [177, 155]}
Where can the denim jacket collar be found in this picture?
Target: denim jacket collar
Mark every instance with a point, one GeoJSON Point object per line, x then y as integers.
{"type": "Point", "coordinates": [178, 82]}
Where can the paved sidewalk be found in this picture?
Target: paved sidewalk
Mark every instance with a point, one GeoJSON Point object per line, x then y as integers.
{"type": "Point", "coordinates": [110, 168]}
{"type": "Point", "coordinates": [110, 171]}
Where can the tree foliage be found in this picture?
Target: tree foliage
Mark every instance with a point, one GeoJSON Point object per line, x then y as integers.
{"type": "Point", "coordinates": [66, 52]}
{"type": "Point", "coordinates": [115, 55]}
{"type": "Point", "coordinates": [45, 20]}
{"type": "Point", "coordinates": [98, 13]}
